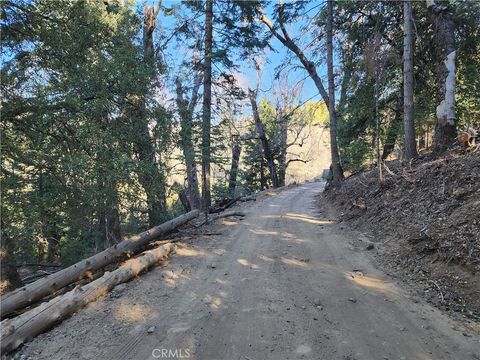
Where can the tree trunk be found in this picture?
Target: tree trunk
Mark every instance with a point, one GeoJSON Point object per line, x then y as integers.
{"type": "Point", "coordinates": [337, 172]}
{"type": "Point", "coordinates": [149, 174]}
{"type": "Point", "coordinates": [347, 61]}
{"type": "Point", "coordinates": [9, 274]}
{"type": "Point", "coordinates": [149, 23]}
{"type": "Point", "coordinates": [408, 46]}
{"type": "Point", "coordinates": [108, 222]}
{"type": "Point", "coordinates": [427, 136]}
{"type": "Point", "coordinates": [28, 294]}
{"type": "Point", "coordinates": [8, 271]}
{"type": "Point", "coordinates": [444, 39]}
{"type": "Point", "coordinates": [263, 185]}
{"type": "Point", "coordinates": [282, 159]}
{"type": "Point", "coordinates": [232, 180]}
{"type": "Point", "coordinates": [113, 233]}
{"type": "Point", "coordinates": [207, 106]}
{"type": "Point", "coordinates": [185, 200]}
{"type": "Point", "coordinates": [24, 327]}
{"type": "Point", "coordinates": [108, 201]}
{"type": "Point", "coordinates": [377, 132]}
{"type": "Point", "coordinates": [392, 133]}
{"type": "Point", "coordinates": [49, 228]}
{"type": "Point", "coordinates": [100, 239]}
{"type": "Point", "coordinates": [192, 182]}
{"type": "Point", "coordinates": [186, 110]}
{"type": "Point", "coordinates": [422, 140]}
{"type": "Point", "coordinates": [153, 183]}
{"type": "Point", "coordinates": [263, 138]}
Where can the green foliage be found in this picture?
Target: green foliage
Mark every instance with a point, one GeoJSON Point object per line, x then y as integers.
{"type": "Point", "coordinates": [79, 247]}
{"type": "Point", "coordinates": [359, 23]}
{"type": "Point", "coordinates": [74, 86]}
{"type": "Point", "coordinates": [354, 155]}
{"type": "Point", "coordinates": [468, 63]}
{"type": "Point", "coordinates": [254, 175]}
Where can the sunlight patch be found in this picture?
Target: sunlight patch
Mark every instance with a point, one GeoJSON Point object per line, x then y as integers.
{"type": "Point", "coordinates": [245, 262]}
{"type": "Point", "coordinates": [370, 282]}
{"type": "Point", "coordinates": [183, 251]}
{"type": "Point", "coordinates": [293, 261]}
{"type": "Point", "coordinates": [133, 312]}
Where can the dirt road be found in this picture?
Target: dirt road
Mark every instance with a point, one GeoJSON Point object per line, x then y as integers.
{"type": "Point", "coordinates": [284, 283]}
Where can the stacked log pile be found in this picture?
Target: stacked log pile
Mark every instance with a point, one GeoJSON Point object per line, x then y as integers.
{"type": "Point", "coordinates": [24, 327]}
{"type": "Point", "coordinates": [37, 290]}
{"type": "Point", "coordinates": [17, 330]}
{"type": "Point", "coordinates": [469, 138]}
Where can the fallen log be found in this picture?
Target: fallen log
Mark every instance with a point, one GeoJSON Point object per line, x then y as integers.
{"type": "Point", "coordinates": [35, 291]}
{"type": "Point", "coordinates": [226, 203]}
{"type": "Point", "coordinates": [18, 330]}
{"type": "Point", "coordinates": [252, 197]}
{"type": "Point", "coordinates": [227, 214]}
{"type": "Point", "coordinates": [62, 291]}
{"type": "Point", "coordinates": [35, 276]}
{"type": "Point", "coordinates": [220, 216]}
{"type": "Point", "coordinates": [469, 138]}
{"type": "Point", "coordinates": [223, 205]}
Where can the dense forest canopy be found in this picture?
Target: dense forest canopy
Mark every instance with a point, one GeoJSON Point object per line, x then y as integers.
{"type": "Point", "coordinates": [119, 115]}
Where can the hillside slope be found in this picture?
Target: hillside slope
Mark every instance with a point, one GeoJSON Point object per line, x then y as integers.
{"type": "Point", "coordinates": [425, 221]}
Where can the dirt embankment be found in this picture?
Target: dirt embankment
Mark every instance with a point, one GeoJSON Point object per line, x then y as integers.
{"type": "Point", "coordinates": [425, 221]}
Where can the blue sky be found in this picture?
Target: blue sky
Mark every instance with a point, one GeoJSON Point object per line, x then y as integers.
{"type": "Point", "coordinates": [247, 73]}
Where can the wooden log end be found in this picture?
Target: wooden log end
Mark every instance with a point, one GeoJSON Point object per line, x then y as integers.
{"type": "Point", "coordinates": [463, 137]}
